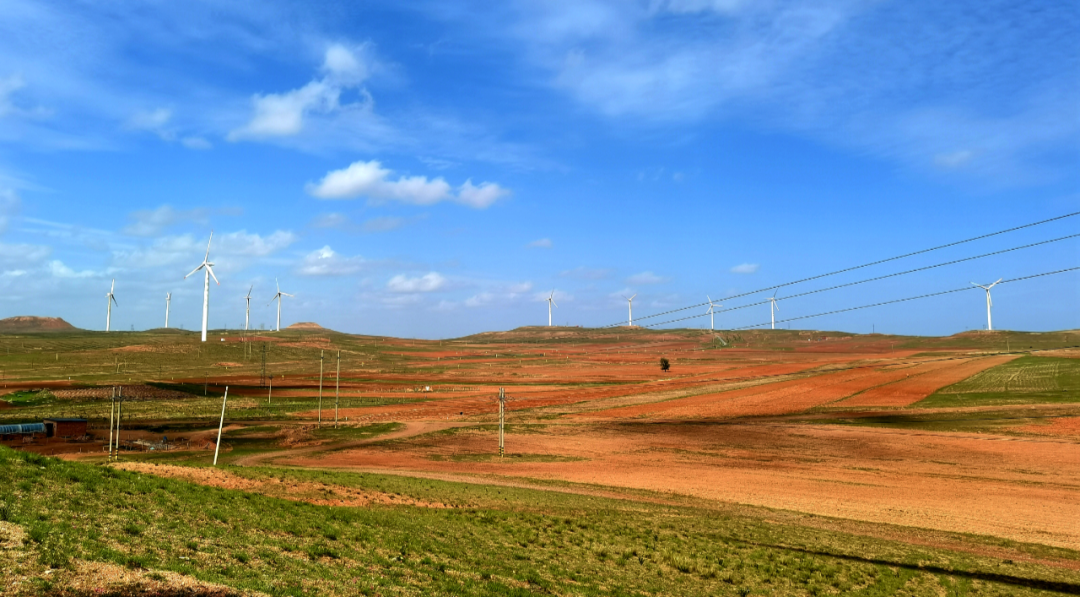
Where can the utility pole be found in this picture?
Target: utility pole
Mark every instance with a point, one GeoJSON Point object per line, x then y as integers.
{"type": "Point", "coordinates": [221, 424]}
{"type": "Point", "coordinates": [112, 413]}
{"type": "Point", "coordinates": [270, 392]}
{"type": "Point", "coordinates": [119, 413]}
{"type": "Point", "coordinates": [337, 389]}
{"type": "Point", "coordinates": [320, 385]}
{"type": "Point", "coordinates": [502, 419]}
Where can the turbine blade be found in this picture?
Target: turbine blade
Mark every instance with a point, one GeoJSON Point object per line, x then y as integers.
{"type": "Point", "coordinates": [556, 304]}
{"type": "Point", "coordinates": [113, 298]}
{"type": "Point", "coordinates": [250, 289]}
{"type": "Point", "coordinates": [195, 270]}
{"type": "Point", "coordinates": [287, 294]}
{"type": "Point", "coordinates": [278, 285]}
{"type": "Point", "coordinates": [208, 246]}
{"type": "Point", "coordinates": [211, 270]}
{"type": "Point", "coordinates": [633, 297]}
{"type": "Point", "coordinates": [113, 287]}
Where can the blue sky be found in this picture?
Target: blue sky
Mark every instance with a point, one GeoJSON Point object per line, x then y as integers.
{"type": "Point", "coordinates": [435, 170]}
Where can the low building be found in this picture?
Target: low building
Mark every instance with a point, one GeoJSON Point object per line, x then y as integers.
{"type": "Point", "coordinates": [65, 427]}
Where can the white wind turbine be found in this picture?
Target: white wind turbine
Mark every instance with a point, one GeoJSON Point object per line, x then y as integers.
{"type": "Point", "coordinates": [168, 299]}
{"type": "Point", "coordinates": [710, 312]}
{"type": "Point", "coordinates": [277, 297]}
{"type": "Point", "coordinates": [206, 284]}
{"type": "Point", "coordinates": [550, 302]}
{"type": "Point", "coordinates": [247, 314]}
{"type": "Point", "coordinates": [630, 307]}
{"type": "Point", "coordinates": [989, 303]}
{"type": "Point", "coordinates": [109, 300]}
{"type": "Point", "coordinates": [773, 308]}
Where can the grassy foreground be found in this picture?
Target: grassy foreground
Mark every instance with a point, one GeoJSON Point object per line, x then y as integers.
{"type": "Point", "coordinates": [489, 541]}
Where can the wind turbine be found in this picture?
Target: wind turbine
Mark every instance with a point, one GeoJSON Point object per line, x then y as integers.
{"type": "Point", "coordinates": [109, 300]}
{"type": "Point", "coordinates": [206, 284]}
{"type": "Point", "coordinates": [247, 314]}
{"type": "Point", "coordinates": [630, 307]}
{"type": "Point", "coordinates": [277, 297]}
{"type": "Point", "coordinates": [989, 303]}
{"type": "Point", "coordinates": [710, 312]}
{"type": "Point", "coordinates": [168, 299]}
{"type": "Point", "coordinates": [550, 302]}
{"type": "Point", "coordinates": [773, 308]}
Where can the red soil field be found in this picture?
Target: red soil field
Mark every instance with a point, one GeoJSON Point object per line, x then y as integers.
{"type": "Point", "coordinates": [924, 380]}
{"type": "Point", "coordinates": [957, 482]}
{"type": "Point", "coordinates": [773, 399]}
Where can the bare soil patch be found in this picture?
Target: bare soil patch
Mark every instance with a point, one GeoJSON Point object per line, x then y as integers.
{"type": "Point", "coordinates": [321, 494]}
{"type": "Point", "coordinates": [923, 381]}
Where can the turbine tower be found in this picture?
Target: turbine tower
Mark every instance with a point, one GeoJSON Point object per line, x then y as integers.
{"type": "Point", "coordinates": [550, 302]}
{"type": "Point", "coordinates": [247, 314]}
{"type": "Point", "coordinates": [206, 284]}
{"type": "Point", "coordinates": [712, 327]}
{"type": "Point", "coordinates": [630, 308]}
{"type": "Point", "coordinates": [168, 299]}
{"type": "Point", "coordinates": [773, 308]}
{"type": "Point", "coordinates": [109, 300]}
{"type": "Point", "coordinates": [277, 297]}
{"type": "Point", "coordinates": [989, 303]}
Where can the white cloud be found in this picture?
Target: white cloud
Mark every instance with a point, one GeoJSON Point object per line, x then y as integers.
{"type": "Point", "coordinates": [543, 243]}
{"type": "Point", "coordinates": [745, 268]}
{"type": "Point", "coordinates": [429, 282]}
{"type": "Point", "coordinates": [371, 180]}
{"type": "Point", "coordinates": [22, 255]}
{"type": "Point", "coordinates": [586, 273]}
{"type": "Point", "coordinates": [645, 278]}
{"type": "Point", "coordinates": [154, 121]}
{"type": "Point", "coordinates": [150, 222]}
{"type": "Point", "coordinates": [9, 206]}
{"type": "Point", "coordinates": [196, 143]}
{"type": "Point", "coordinates": [325, 262]}
{"type": "Point", "coordinates": [481, 300]}
{"type": "Point", "coordinates": [8, 88]}
{"type": "Point", "coordinates": [481, 196]}
{"type": "Point", "coordinates": [282, 114]}
{"type": "Point", "coordinates": [253, 245]}
{"type": "Point", "coordinates": [59, 270]}
{"type": "Point", "coordinates": [331, 220]}
{"type": "Point", "coordinates": [954, 159]}
{"type": "Point", "coordinates": [382, 224]}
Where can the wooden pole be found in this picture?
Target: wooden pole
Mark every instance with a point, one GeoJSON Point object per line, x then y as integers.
{"type": "Point", "coordinates": [320, 386]}
{"type": "Point", "coordinates": [112, 412]}
{"type": "Point", "coordinates": [502, 411]}
{"type": "Point", "coordinates": [221, 424]}
{"type": "Point", "coordinates": [337, 389]}
{"type": "Point", "coordinates": [119, 413]}
{"type": "Point", "coordinates": [271, 391]}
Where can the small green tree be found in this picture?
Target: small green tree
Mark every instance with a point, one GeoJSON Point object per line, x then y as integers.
{"type": "Point", "coordinates": [664, 364]}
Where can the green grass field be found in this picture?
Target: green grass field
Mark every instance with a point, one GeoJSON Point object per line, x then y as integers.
{"type": "Point", "coordinates": [1026, 380]}
{"type": "Point", "coordinates": [494, 541]}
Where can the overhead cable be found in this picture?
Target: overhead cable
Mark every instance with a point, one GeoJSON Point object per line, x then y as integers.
{"type": "Point", "coordinates": [911, 298]}
{"type": "Point", "coordinates": [849, 269]}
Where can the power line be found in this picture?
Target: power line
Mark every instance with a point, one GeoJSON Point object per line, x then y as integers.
{"type": "Point", "coordinates": [911, 298]}
{"type": "Point", "coordinates": [849, 269]}
{"type": "Point", "coordinates": [910, 271]}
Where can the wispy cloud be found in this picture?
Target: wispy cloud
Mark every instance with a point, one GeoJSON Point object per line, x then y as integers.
{"type": "Point", "coordinates": [645, 278]}
{"type": "Point", "coordinates": [371, 180]}
{"type": "Point", "coordinates": [542, 243]}
{"type": "Point", "coordinates": [151, 222]}
{"type": "Point", "coordinates": [745, 268]}
{"type": "Point", "coordinates": [429, 282]}
{"type": "Point", "coordinates": [326, 262]}
{"type": "Point", "coordinates": [586, 273]}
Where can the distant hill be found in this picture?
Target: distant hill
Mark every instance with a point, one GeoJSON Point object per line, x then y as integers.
{"type": "Point", "coordinates": [305, 325]}
{"type": "Point", "coordinates": [28, 324]}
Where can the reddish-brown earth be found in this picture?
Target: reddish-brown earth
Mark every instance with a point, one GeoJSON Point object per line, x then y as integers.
{"type": "Point", "coordinates": [923, 381]}
{"type": "Point", "coordinates": [1023, 489]}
